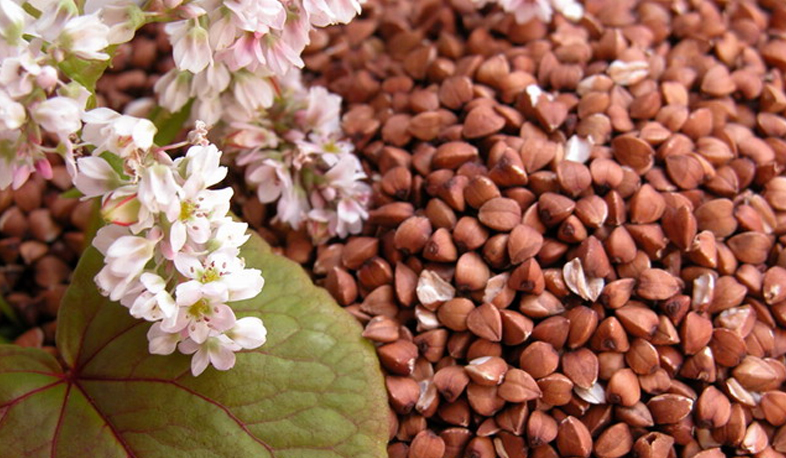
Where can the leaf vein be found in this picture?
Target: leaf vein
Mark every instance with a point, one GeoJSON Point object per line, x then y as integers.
{"type": "Point", "coordinates": [115, 432]}
{"type": "Point", "coordinates": [59, 423]}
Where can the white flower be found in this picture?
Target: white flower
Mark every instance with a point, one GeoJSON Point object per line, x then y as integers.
{"type": "Point", "coordinates": [59, 115]}
{"type": "Point", "coordinates": [174, 89]}
{"type": "Point", "coordinates": [12, 113]}
{"type": "Point", "coordinates": [86, 36]}
{"type": "Point", "coordinates": [96, 177]}
{"type": "Point", "coordinates": [280, 57]}
{"type": "Point", "coordinates": [207, 109]}
{"type": "Point", "coordinates": [110, 131]}
{"type": "Point", "coordinates": [107, 235]}
{"type": "Point", "coordinates": [17, 74]}
{"type": "Point", "coordinates": [270, 178]}
{"type": "Point", "coordinates": [218, 351]}
{"type": "Point", "coordinates": [122, 16]}
{"type": "Point", "coordinates": [55, 14]}
{"type": "Point", "coordinates": [190, 45]}
{"type": "Point", "coordinates": [229, 235]}
{"type": "Point", "coordinates": [129, 254]}
{"type": "Point", "coordinates": [222, 31]}
{"type": "Point", "coordinates": [202, 167]}
{"type": "Point", "coordinates": [162, 342]}
{"type": "Point", "coordinates": [200, 319]}
{"type": "Point", "coordinates": [293, 206]}
{"type": "Point", "coordinates": [220, 276]}
{"type": "Point", "coordinates": [248, 333]}
{"type": "Point", "coordinates": [326, 12]}
{"type": "Point", "coordinates": [157, 187]}
{"type": "Point", "coordinates": [195, 215]}
{"type": "Point", "coordinates": [571, 9]}
{"type": "Point", "coordinates": [13, 20]}
{"type": "Point", "coordinates": [211, 82]}
{"type": "Point", "coordinates": [251, 91]}
{"type": "Point", "coordinates": [350, 217]}
{"type": "Point", "coordinates": [324, 111]}
{"type": "Point", "coordinates": [155, 303]}
{"type": "Point", "coordinates": [257, 16]}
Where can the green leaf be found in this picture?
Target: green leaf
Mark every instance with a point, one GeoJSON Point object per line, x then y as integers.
{"type": "Point", "coordinates": [72, 193]}
{"type": "Point", "coordinates": [7, 311]}
{"type": "Point", "coordinates": [314, 390]}
{"type": "Point", "coordinates": [169, 124]}
{"type": "Point", "coordinates": [86, 72]}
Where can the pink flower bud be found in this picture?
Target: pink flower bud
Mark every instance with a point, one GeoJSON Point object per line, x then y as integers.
{"type": "Point", "coordinates": [122, 210]}
{"type": "Point", "coordinates": [44, 168]}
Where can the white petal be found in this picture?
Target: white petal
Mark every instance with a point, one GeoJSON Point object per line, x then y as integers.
{"type": "Point", "coordinates": [248, 332]}
{"type": "Point", "coordinates": [166, 304]}
{"type": "Point", "coordinates": [161, 342]}
{"type": "Point", "coordinates": [188, 265]}
{"type": "Point", "coordinates": [107, 235]}
{"type": "Point", "coordinates": [244, 284]}
{"type": "Point", "coordinates": [221, 357]}
{"type": "Point", "coordinates": [223, 318]}
{"type": "Point", "coordinates": [188, 293]}
{"type": "Point", "coordinates": [154, 283]}
{"type": "Point", "coordinates": [199, 362]}
{"type": "Point", "coordinates": [177, 235]}
{"type": "Point", "coordinates": [198, 331]}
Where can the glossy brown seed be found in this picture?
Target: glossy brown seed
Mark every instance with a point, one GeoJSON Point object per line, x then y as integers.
{"type": "Point", "coordinates": [500, 214]}
{"type": "Point", "coordinates": [623, 388]}
{"type": "Point", "coordinates": [518, 386]}
{"type": "Point", "coordinates": [573, 438]}
{"type": "Point", "coordinates": [524, 243]}
{"type": "Point", "coordinates": [427, 444]}
{"type": "Point", "coordinates": [413, 234]}
{"type": "Point", "coordinates": [713, 409]}
{"type": "Point", "coordinates": [398, 357]}
{"type": "Point", "coordinates": [669, 408]}
{"type": "Point", "coordinates": [451, 382]}
{"type": "Point", "coordinates": [657, 284]}
{"type": "Point", "coordinates": [581, 366]}
{"type": "Point", "coordinates": [485, 322]}
{"type": "Point", "coordinates": [638, 319]}
{"type": "Point", "coordinates": [452, 155]}
{"type": "Point", "coordinates": [539, 359]}
{"type": "Point", "coordinates": [541, 429]}
{"type": "Point", "coordinates": [615, 442]}
{"type": "Point", "coordinates": [642, 357]}
{"type": "Point", "coordinates": [487, 370]}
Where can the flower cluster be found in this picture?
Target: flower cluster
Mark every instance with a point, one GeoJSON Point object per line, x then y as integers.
{"type": "Point", "coordinates": [227, 52]}
{"type": "Point", "coordinates": [542, 10]}
{"type": "Point", "coordinates": [171, 251]}
{"type": "Point", "coordinates": [39, 112]}
{"type": "Point", "coordinates": [293, 153]}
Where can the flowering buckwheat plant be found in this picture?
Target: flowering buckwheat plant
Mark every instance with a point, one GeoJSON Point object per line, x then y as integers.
{"type": "Point", "coordinates": [170, 249]}
{"type": "Point", "coordinates": [293, 153]}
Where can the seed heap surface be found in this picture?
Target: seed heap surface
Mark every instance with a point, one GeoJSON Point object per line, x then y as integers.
{"type": "Point", "coordinates": [576, 241]}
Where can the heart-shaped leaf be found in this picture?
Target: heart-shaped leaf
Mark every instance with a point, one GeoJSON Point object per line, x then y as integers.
{"type": "Point", "coordinates": [313, 390]}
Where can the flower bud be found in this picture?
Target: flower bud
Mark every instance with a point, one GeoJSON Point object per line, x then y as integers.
{"type": "Point", "coordinates": [122, 210]}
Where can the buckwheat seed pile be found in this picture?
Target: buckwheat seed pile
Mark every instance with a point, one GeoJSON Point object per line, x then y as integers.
{"type": "Point", "coordinates": [576, 243]}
